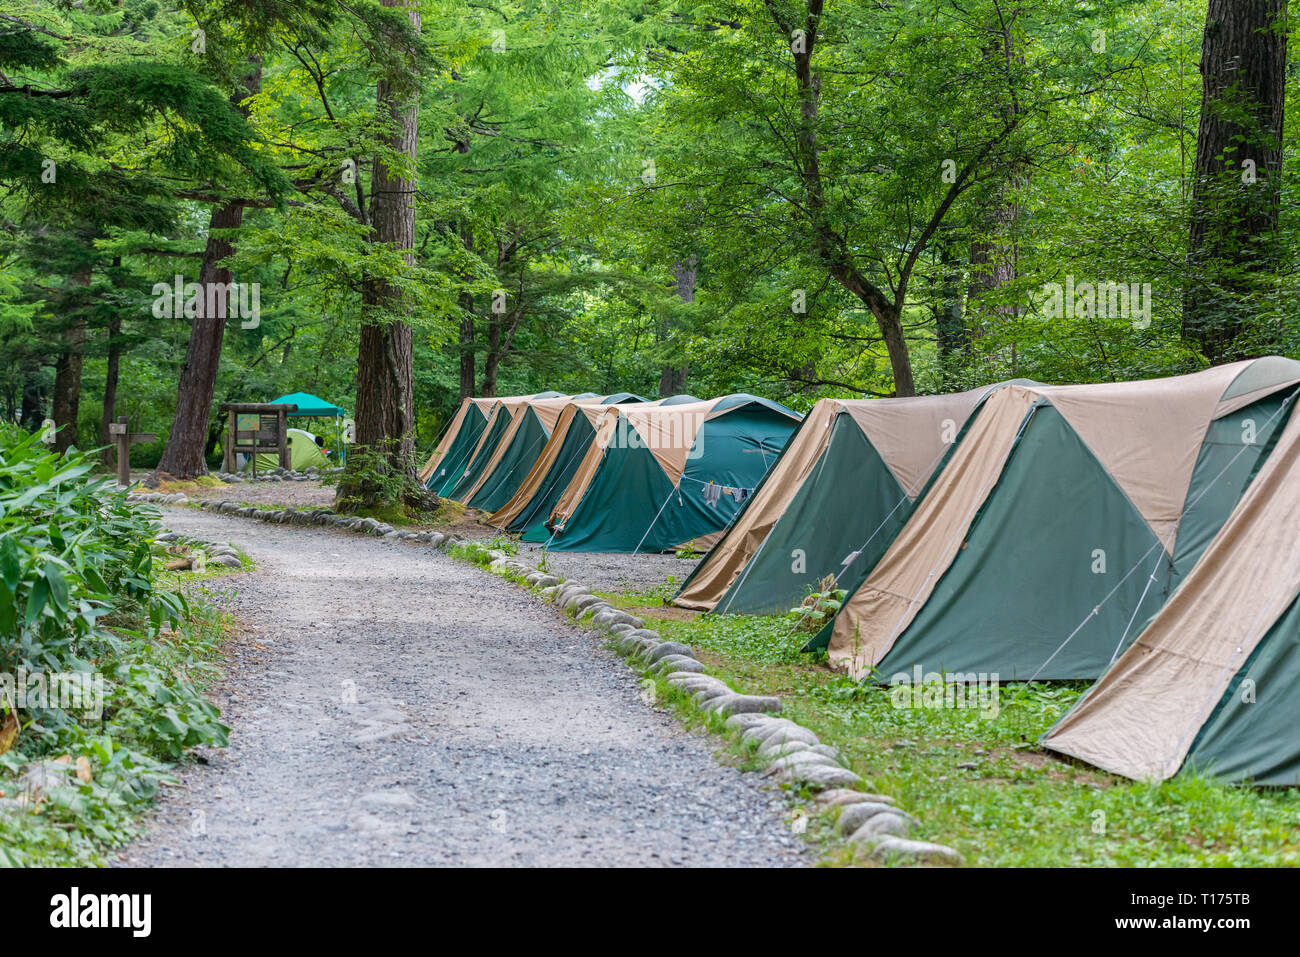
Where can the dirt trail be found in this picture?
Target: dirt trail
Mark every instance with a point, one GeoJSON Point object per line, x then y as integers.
{"type": "Point", "coordinates": [393, 706]}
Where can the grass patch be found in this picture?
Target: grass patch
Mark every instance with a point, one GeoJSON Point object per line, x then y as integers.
{"type": "Point", "coordinates": [977, 780]}
{"type": "Point", "coordinates": [389, 514]}
{"type": "Point", "coordinates": [188, 486]}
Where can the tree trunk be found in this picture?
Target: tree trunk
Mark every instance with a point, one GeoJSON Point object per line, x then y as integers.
{"type": "Point", "coordinates": [492, 361]}
{"type": "Point", "coordinates": [112, 361]}
{"type": "Point", "coordinates": [66, 402]}
{"type": "Point", "coordinates": [466, 345]}
{"type": "Point", "coordinates": [67, 386]}
{"type": "Point", "coordinates": [995, 254]}
{"type": "Point", "coordinates": [385, 410]}
{"type": "Point", "coordinates": [672, 379]}
{"type": "Point", "coordinates": [33, 411]}
{"type": "Point", "coordinates": [467, 326]}
{"type": "Point", "coordinates": [1235, 197]}
{"type": "Point", "coordinates": [993, 264]}
{"type": "Point", "coordinates": [183, 456]}
{"type": "Point", "coordinates": [951, 327]}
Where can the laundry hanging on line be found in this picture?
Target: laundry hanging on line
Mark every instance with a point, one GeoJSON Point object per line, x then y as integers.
{"type": "Point", "coordinates": [713, 493]}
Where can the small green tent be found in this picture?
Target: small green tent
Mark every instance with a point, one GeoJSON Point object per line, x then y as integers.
{"type": "Point", "coordinates": [310, 406]}
{"type": "Point", "coordinates": [304, 453]}
{"type": "Point", "coordinates": [314, 407]}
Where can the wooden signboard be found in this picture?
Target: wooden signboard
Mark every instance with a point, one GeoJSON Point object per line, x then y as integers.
{"type": "Point", "coordinates": [254, 428]}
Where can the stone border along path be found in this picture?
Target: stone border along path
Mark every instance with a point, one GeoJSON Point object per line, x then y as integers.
{"type": "Point", "coordinates": [871, 823]}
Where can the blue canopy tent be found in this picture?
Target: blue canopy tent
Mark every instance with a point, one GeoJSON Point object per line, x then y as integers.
{"type": "Point", "coordinates": [314, 407]}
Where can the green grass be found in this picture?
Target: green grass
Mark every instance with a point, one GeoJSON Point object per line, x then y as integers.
{"type": "Point", "coordinates": [1018, 806]}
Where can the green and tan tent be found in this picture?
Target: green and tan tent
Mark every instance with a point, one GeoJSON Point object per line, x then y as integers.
{"type": "Point", "coordinates": [522, 442]}
{"type": "Point", "coordinates": [540, 490]}
{"type": "Point", "coordinates": [447, 463]}
{"type": "Point", "coordinates": [1212, 685]}
{"type": "Point", "coordinates": [833, 503]}
{"type": "Point", "coordinates": [457, 472]}
{"type": "Point", "coordinates": [1062, 519]}
{"type": "Point", "coordinates": [657, 475]}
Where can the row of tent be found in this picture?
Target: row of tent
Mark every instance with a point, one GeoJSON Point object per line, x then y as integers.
{"type": "Point", "coordinates": [609, 473]}
{"type": "Point", "coordinates": [1146, 534]}
{"type": "Point", "coordinates": [1140, 533]}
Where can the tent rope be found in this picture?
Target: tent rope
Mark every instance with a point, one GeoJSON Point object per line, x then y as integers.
{"type": "Point", "coordinates": [1151, 580]}
{"type": "Point", "coordinates": [674, 491]}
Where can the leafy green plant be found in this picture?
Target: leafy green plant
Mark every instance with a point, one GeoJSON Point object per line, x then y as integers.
{"type": "Point", "coordinates": [505, 543]}
{"type": "Point", "coordinates": [819, 606]}
{"type": "Point", "coordinates": [80, 598]}
{"type": "Point", "coordinates": [689, 549]}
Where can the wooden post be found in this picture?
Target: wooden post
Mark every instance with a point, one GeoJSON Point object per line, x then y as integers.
{"type": "Point", "coordinates": [123, 440]}
{"type": "Point", "coordinates": [285, 461]}
{"type": "Point", "coordinates": [228, 452]}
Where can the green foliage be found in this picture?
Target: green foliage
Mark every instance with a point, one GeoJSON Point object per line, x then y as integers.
{"type": "Point", "coordinates": [819, 606]}
{"type": "Point", "coordinates": [688, 550]}
{"type": "Point", "coordinates": [79, 595]}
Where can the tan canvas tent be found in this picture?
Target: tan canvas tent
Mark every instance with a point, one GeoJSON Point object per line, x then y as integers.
{"type": "Point", "coordinates": [832, 504]}
{"type": "Point", "coordinates": [1063, 516]}
{"type": "Point", "coordinates": [463, 438]}
{"type": "Point", "coordinates": [657, 475]}
{"type": "Point", "coordinates": [532, 423]}
{"type": "Point", "coordinates": [1213, 682]}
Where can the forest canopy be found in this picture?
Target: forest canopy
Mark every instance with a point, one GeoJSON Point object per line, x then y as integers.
{"type": "Point", "coordinates": [406, 203]}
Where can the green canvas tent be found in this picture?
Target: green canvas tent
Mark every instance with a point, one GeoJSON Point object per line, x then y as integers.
{"type": "Point", "coordinates": [1212, 685]}
{"type": "Point", "coordinates": [304, 453]}
{"type": "Point", "coordinates": [499, 421]}
{"type": "Point", "coordinates": [658, 475]}
{"type": "Point", "coordinates": [551, 473]}
{"type": "Point", "coordinates": [833, 503]}
{"type": "Point", "coordinates": [460, 441]}
{"type": "Point", "coordinates": [522, 443]}
{"type": "Point", "coordinates": [1062, 516]}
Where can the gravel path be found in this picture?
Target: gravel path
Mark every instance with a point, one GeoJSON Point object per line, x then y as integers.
{"type": "Point", "coordinates": [613, 571]}
{"type": "Point", "coordinates": [484, 731]}
{"type": "Point", "coordinates": [290, 494]}
{"type": "Point", "coordinates": [598, 570]}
